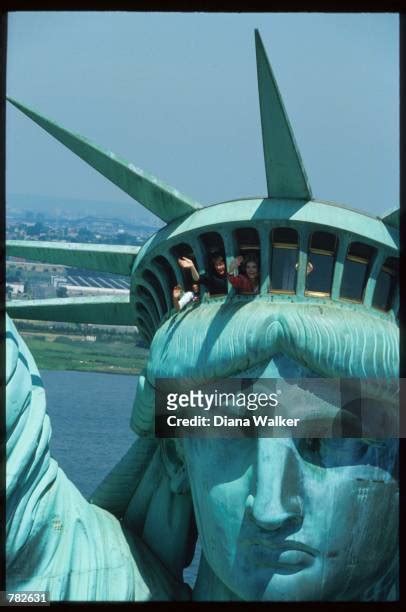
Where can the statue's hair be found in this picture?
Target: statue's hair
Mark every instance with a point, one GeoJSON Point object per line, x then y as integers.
{"type": "Point", "coordinates": [329, 341]}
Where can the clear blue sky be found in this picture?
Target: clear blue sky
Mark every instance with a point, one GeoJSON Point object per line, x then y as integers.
{"type": "Point", "coordinates": [176, 94]}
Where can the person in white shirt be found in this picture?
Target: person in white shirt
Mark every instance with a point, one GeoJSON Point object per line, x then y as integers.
{"type": "Point", "coordinates": [180, 299]}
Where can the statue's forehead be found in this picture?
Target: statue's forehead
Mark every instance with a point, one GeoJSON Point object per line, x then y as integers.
{"type": "Point", "coordinates": [213, 341]}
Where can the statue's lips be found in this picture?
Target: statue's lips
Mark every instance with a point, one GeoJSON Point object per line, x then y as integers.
{"type": "Point", "coordinates": [280, 546]}
{"type": "Point", "coordinates": [289, 557]}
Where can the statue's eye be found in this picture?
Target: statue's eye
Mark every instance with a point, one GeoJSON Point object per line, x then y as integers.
{"type": "Point", "coordinates": [312, 445]}
{"type": "Point", "coordinates": [338, 452]}
{"type": "Point", "coordinates": [309, 449]}
{"type": "Point", "coordinates": [332, 452]}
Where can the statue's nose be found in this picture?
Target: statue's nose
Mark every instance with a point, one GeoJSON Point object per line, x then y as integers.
{"type": "Point", "coordinates": [278, 498]}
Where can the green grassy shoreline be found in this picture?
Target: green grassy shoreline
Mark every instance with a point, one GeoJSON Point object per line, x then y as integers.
{"type": "Point", "coordinates": [73, 353]}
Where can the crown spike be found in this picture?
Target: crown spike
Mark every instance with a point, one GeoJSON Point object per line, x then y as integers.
{"type": "Point", "coordinates": [285, 174]}
{"type": "Point", "coordinates": [100, 257]}
{"type": "Point", "coordinates": [99, 310]}
{"type": "Point", "coordinates": [165, 202]}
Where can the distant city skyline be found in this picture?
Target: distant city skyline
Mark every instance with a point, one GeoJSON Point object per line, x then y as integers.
{"type": "Point", "coordinates": [176, 94]}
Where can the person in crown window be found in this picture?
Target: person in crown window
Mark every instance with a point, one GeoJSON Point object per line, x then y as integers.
{"type": "Point", "coordinates": [216, 280]}
{"type": "Point", "coordinates": [248, 282]}
{"type": "Point", "coordinates": [180, 299]}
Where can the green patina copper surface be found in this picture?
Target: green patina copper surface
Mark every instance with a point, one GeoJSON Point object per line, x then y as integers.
{"type": "Point", "coordinates": [278, 519]}
{"type": "Point", "coordinates": [392, 217]}
{"type": "Point", "coordinates": [285, 174]}
{"type": "Point", "coordinates": [102, 310]}
{"type": "Point", "coordinates": [100, 257]}
{"type": "Point", "coordinates": [57, 541]}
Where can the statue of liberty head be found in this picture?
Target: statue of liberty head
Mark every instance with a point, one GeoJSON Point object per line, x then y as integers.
{"type": "Point", "coordinates": [279, 519]}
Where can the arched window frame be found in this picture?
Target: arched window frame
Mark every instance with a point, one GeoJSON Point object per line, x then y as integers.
{"type": "Point", "coordinates": [358, 259]}
{"type": "Point", "coordinates": [326, 253]}
{"type": "Point", "coordinates": [183, 249]}
{"type": "Point", "coordinates": [394, 275]}
{"type": "Point", "coordinates": [283, 246]}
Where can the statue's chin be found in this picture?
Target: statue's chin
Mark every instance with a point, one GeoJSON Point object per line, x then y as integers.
{"type": "Point", "coordinates": [318, 583]}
